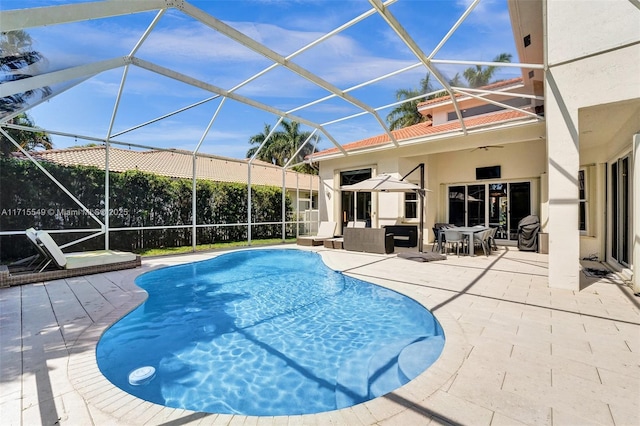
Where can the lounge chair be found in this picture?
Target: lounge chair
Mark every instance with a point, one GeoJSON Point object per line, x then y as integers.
{"type": "Point", "coordinates": [81, 259]}
{"type": "Point", "coordinates": [357, 224]}
{"type": "Point", "coordinates": [37, 262]}
{"type": "Point", "coordinates": [69, 264]}
{"type": "Point", "coordinates": [326, 230]}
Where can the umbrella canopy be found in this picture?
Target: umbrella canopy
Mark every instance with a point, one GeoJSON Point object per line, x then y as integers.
{"type": "Point", "coordinates": [382, 183]}
{"type": "Point", "coordinates": [388, 183]}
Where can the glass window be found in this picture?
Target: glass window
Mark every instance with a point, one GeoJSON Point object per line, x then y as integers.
{"type": "Point", "coordinates": [356, 206]}
{"type": "Point", "coordinates": [519, 205]}
{"type": "Point", "coordinates": [583, 201]}
{"type": "Point", "coordinates": [456, 205]}
{"type": "Point", "coordinates": [475, 205]}
{"type": "Point", "coordinates": [621, 211]}
{"type": "Point", "coordinates": [498, 210]}
{"type": "Point", "coordinates": [410, 205]}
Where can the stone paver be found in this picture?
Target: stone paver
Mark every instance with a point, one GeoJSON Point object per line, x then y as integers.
{"type": "Point", "coordinates": [517, 352]}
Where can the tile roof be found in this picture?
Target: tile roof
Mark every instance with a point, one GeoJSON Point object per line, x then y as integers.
{"type": "Point", "coordinates": [492, 86]}
{"type": "Point", "coordinates": [177, 164]}
{"type": "Point", "coordinates": [427, 129]}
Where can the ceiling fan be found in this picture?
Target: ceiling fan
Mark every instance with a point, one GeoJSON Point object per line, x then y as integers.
{"type": "Point", "coordinates": [487, 147]}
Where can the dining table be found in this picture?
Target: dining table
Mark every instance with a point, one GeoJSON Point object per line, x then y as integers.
{"type": "Point", "coordinates": [467, 231]}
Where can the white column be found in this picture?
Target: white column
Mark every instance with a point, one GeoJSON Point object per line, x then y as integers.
{"type": "Point", "coordinates": [563, 209]}
{"type": "Point", "coordinates": [635, 195]}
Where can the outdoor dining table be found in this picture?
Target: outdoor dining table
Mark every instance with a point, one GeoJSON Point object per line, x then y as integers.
{"type": "Point", "coordinates": [468, 231]}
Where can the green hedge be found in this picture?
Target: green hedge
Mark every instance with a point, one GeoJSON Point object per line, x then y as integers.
{"type": "Point", "coordinates": [30, 199]}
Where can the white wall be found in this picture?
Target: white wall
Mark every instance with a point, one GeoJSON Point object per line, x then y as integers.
{"type": "Point", "coordinates": [577, 28]}
{"type": "Point", "coordinates": [517, 160]}
{"type": "Point", "coordinates": [592, 61]}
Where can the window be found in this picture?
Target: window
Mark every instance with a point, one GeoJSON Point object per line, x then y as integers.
{"type": "Point", "coordinates": [621, 238]}
{"type": "Point", "coordinates": [582, 195]}
{"type": "Point", "coordinates": [356, 206]}
{"type": "Point", "coordinates": [410, 205]}
{"type": "Point", "coordinates": [457, 196]}
{"type": "Point", "coordinates": [500, 205]}
{"type": "Point", "coordinates": [486, 109]}
{"type": "Point", "coordinates": [475, 205]}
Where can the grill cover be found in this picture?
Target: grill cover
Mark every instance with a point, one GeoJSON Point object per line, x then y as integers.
{"type": "Point", "coordinates": [528, 229]}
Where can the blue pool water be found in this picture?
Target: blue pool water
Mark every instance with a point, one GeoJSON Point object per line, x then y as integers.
{"type": "Point", "coordinates": [266, 332]}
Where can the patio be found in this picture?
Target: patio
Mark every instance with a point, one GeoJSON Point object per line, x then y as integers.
{"type": "Point", "coordinates": [517, 352]}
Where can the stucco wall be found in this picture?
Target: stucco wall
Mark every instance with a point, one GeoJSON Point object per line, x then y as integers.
{"type": "Point", "coordinates": [519, 160]}
{"type": "Point", "coordinates": [592, 62]}
{"type": "Point", "coordinates": [577, 28]}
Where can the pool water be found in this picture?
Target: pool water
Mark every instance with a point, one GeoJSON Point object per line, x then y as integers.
{"type": "Point", "coordinates": [266, 332]}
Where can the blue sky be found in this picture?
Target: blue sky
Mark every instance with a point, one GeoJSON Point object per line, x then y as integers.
{"type": "Point", "coordinates": [363, 52]}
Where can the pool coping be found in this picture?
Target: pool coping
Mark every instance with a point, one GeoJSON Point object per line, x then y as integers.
{"type": "Point", "coordinates": [115, 403]}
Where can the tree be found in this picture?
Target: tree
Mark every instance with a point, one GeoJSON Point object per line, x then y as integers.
{"type": "Point", "coordinates": [16, 57]}
{"type": "Point", "coordinates": [481, 76]}
{"type": "Point", "coordinates": [456, 81]}
{"type": "Point", "coordinates": [406, 114]}
{"type": "Point", "coordinates": [283, 144]}
{"type": "Point", "coordinates": [26, 139]}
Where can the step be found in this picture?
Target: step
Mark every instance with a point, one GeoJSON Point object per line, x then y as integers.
{"type": "Point", "coordinates": [418, 356]}
{"type": "Point", "coordinates": [383, 368]}
{"type": "Point", "coordinates": [352, 383]}
{"type": "Point", "coordinates": [353, 378]}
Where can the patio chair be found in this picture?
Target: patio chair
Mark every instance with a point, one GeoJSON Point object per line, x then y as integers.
{"type": "Point", "coordinates": [437, 229]}
{"type": "Point", "coordinates": [492, 239]}
{"type": "Point", "coordinates": [326, 230]}
{"type": "Point", "coordinates": [453, 238]}
{"type": "Point", "coordinates": [481, 239]}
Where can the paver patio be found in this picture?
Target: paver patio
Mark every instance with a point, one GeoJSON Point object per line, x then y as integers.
{"type": "Point", "coordinates": [517, 352]}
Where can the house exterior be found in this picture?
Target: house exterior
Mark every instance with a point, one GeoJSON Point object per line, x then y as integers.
{"type": "Point", "coordinates": [565, 152]}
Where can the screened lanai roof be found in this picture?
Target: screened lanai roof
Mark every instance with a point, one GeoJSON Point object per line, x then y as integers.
{"type": "Point", "coordinates": [205, 76]}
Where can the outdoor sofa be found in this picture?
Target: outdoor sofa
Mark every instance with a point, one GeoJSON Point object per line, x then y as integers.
{"type": "Point", "coordinates": [370, 240]}
{"type": "Point", "coordinates": [403, 235]}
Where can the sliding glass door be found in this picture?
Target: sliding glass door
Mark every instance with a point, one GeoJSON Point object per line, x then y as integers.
{"type": "Point", "coordinates": [620, 212]}
{"type": "Point", "coordinates": [498, 210]}
{"type": "Point", "coordinates": [498, 205]}
{"type": "Point", "coordinates": [519, 206]}
{"type": "Point", "coordinates": [356, 206]}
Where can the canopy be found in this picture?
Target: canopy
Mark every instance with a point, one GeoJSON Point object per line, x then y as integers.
{"type": "Point", "coordinates": [388, 183]}
{"type": "Point", "coordinates": [383, 183]}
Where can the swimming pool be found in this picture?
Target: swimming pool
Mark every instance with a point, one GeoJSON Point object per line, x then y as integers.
{"type": "Point", "coordinates": [266, 332]}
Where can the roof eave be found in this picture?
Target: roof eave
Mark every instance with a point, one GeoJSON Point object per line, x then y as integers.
{"type": "Point", "coordinates": [516, 122]}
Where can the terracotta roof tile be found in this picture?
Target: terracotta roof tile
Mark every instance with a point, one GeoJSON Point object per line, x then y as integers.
{"type": "Point", "coordinates": [427, 129]}
{"type": "Point", "coordinates": [177, 164]}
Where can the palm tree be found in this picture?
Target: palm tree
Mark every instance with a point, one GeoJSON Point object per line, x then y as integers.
{"type": "Point", "coordinates": [26, 139]}
{"type": "Point", "coordinates": [17, 55]}
{"type": "Point", "coordinates": [257, 141]}
{"type": "Point", "coordinates": [283, 144]}
{"type": "Point", "coordinates": [481, 76]}
{"type": "Point", "coordinates": [456, 81]}
{"type": "Point", "coordinates": [406, 114]}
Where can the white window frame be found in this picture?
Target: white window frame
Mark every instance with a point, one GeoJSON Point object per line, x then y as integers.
{"type": "Point", "coordinates": [417, 206]}
{"type": "Point", "coordinates": [584, 201]}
